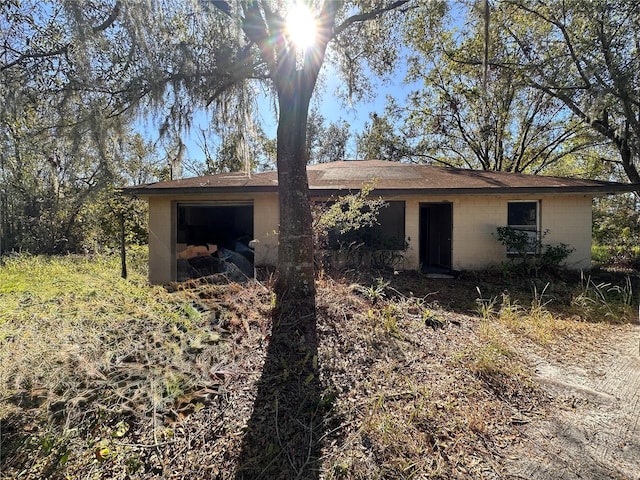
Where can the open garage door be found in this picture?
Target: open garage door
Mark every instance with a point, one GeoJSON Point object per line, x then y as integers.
{"type": "Point", "coordinates": [214, 238]}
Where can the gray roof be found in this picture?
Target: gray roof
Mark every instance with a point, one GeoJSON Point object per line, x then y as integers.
{"type": "Point", "coordinates": [389, 178]}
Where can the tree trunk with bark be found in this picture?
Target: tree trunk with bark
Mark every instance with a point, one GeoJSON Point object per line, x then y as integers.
{"type": "Point", "coordinates": [295, 272]}
{"type": "Point", "coordinates": [294, 74]}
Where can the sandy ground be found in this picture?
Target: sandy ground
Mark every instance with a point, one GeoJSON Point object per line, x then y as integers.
{"type": "Point", "coordinates": [594, 431]}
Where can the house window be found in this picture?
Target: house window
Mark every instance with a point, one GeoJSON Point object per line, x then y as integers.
{"type": "Point", "coordinates": [387, 234]}
{"type": "Point", "coordinates": [523, 217]}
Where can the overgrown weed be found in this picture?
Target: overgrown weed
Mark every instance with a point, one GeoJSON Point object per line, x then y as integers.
{"type": "Point", "coordinates": [82, 349]}
{"type": "Point", "coordinates": [537, 322]}
{"type": "Point", "coordinates": [604, 301]}
{"type": "Point", "coordinates": [494, 359]}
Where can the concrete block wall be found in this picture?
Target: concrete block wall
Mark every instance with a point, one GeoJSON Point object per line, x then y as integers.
{"type": "Point", "coordinates": [474, 243]}
{"type": "Point", "coordinates": [162, 263]}
{"type": "Point", "coordinates": [568, 219]}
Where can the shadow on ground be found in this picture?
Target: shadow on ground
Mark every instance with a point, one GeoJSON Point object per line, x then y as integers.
{"type": "Point", "coordinates": [283, 436]}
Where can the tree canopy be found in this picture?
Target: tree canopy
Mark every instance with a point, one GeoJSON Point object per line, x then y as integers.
{"type": "Point", "coordinates": [473, 112]}
{"type": "Point", "coordinates": [585, 55]}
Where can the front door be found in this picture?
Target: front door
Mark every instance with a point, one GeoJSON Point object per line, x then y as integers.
{"type": "Point", "coordinates": [436, 220]}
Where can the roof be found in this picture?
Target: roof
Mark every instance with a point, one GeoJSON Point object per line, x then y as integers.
{"type": "Point", "coordinates": [389, 177]}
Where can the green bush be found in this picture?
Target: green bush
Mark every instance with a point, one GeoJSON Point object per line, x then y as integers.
{"type": "Point", "coordinates": [345, 233]}
{"type": "Point", "coordinates": [617, 256]}
{"type": "Point", "coordinates": [519, 245]}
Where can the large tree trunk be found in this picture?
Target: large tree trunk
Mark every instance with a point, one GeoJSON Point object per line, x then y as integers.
{"type": "Point", "coordinates": [294, 74]}
{"type": "Point", "coordinates": [295, 271]}
{"type": "Point", "coordinates": [285, 432]}
{"type": "Point", "coordinates": [627, 162]}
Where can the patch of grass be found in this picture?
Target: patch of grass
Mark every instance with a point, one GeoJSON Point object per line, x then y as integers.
{"type": "Point", "coordinates": [537, 322]}
{"type": "Point", "coordinates": [601, 254]}
{"type": "Point", "coordinates": [82, 349]}
{"type": "Point", "coordinates": [494, 360]}
{"type": "Point", "coordinates": [485, 307]}
{"type": "Point", "coordinates": [389, 320]}
{"type": "Point", "coordinates": [400, 426]}
{"type": "Point", "coordinates": [625, 255]}
{"type": "Point", "coordinates": [602, 301]}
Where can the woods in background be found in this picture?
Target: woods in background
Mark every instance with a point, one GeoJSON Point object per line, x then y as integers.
{"type": "Point", "coordinates": [509, 85]}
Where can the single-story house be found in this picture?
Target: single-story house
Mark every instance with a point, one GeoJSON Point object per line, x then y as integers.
{"type": "Point", "coordinates": [447, 216]}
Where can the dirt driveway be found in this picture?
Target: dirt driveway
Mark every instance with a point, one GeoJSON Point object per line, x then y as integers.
{"type": "Point", "coordinates": [594, 430]}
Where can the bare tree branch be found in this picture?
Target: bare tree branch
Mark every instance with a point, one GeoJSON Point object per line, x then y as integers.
{"type": "Point", "coordinates": [363, 17]}
{"type": "Point", "coordinates": [110, 19]}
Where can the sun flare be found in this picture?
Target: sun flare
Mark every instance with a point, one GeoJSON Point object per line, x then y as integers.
{"type": "Point", "coordinates": [301, 26]}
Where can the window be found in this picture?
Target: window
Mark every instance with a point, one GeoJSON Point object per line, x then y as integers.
{"type": "Point", "coordinates": [387, 234]}
{"type": "Point", "coordinates": [523, 219]}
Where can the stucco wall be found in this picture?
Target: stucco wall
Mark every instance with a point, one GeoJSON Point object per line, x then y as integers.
{"type": "Point", "coordinates": [474, 225]}
{"type": "Point", "coordinates": [474, 243]}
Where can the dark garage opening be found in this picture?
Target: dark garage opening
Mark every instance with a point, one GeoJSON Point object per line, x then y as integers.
{"type": "Point", "coordinates": [212, 239]}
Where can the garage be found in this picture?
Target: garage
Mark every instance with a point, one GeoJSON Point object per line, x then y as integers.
{"type": "Point", "coordinates": [214, 238]}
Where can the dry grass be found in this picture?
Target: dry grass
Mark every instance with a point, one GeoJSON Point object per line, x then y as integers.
{"type": "Point", "coordinates": [85, 354]}
{"type": "Point", "coordinates": [78, 331]}
{"type": "Point", "coordinates": [108, 378]}
{"type": "Point", "coordinates": [425, 401]}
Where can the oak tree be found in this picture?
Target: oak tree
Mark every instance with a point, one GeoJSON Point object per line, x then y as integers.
{"type": "Point", "coordinates": [211, 53]}
{"type": "Point", "coordinates": [473, 110]}
{"type": "Point", "coordinates": [586, 55]}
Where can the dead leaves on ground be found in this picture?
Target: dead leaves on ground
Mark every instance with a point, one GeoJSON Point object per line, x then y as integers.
{"type": "Point", "coordinates": [402, 399]}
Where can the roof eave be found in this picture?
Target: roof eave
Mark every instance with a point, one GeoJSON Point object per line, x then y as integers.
{"type": "Point", "coordinates": [597, 190]}
{"type": "Point", "coordinates": [594, 190]}
{"type": "Point", "coordinates": [157, 191]}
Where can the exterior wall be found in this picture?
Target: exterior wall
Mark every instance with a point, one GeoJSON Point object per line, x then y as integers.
{"type": "Point", "coordinates": [569, 220]}
{"type": "Point", "coordinates": [266, 216]}
{"type": "Point", "coordinates": [412, 232]}
{"type": "Point", "coordinates": [474, 244]}
{"type": "Point", "coordinates": [162, 261]}
{"type": "Point", "coordinates": [162, 231]}
{"type": "Point", "coordinates": [475, 218]}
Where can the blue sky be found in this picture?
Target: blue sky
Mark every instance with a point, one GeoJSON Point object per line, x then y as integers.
{"type": "Point", "coordinates": [331, 106]}
{"type": "Point", "coordinates": [336, 109]}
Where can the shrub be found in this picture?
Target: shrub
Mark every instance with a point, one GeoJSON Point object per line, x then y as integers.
{"type": "Point", "coordinates": [345, 234]}
{"type": "Point", "coordinates": [520, 244]}
{"type": "Point", "coordinates": [617, 256]}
